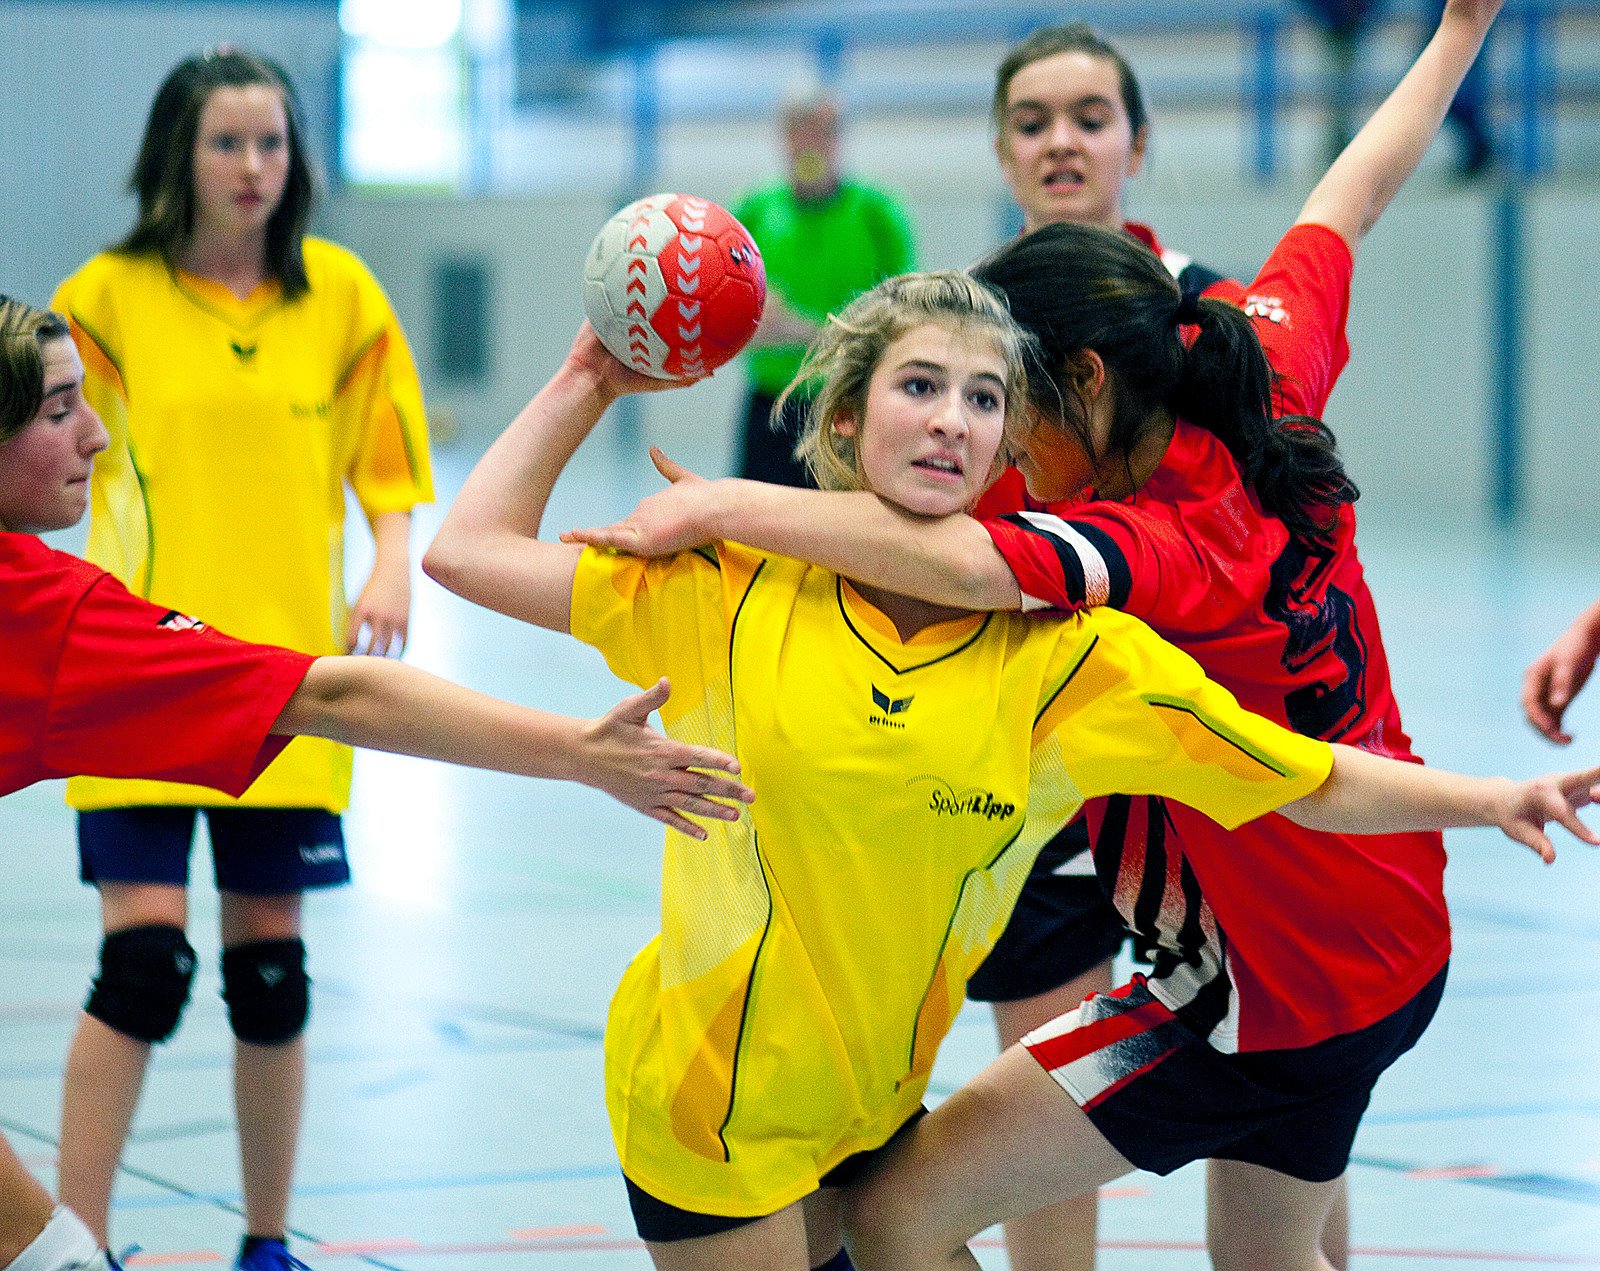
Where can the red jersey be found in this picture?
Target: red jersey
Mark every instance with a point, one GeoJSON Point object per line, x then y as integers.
{"type": "Point", "coordinates": [93, 680]}
{"type": "Point", "coordinates": [1270, 935]}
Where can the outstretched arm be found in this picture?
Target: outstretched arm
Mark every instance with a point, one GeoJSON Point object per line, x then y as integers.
{"type": "Point", "coordinates": [1364, 179]}
{"type": "Point", "coordinates": [488, 548]}
{"type": "Point", "coordinates": [1559, 674]}
{"type": "Point", "coordinates": [1369, 794]}
{"type": "Point", "coordinates": [945, 560]}
{"type": "Point", "coordinates": [389, 706]}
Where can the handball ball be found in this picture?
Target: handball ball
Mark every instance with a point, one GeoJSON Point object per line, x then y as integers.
{"type": "Point", "coordinates": [674, 286]}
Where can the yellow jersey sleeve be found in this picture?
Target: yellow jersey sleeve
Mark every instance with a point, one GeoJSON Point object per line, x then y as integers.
{"type": "Point", "coordinates": [391, 470]}
{"type": "Point", "coordinates": [1132, 714]}
{"type": "Point", "coordinates": [119, 526]}
{"type": "Point", "coordinates": [651, 618]}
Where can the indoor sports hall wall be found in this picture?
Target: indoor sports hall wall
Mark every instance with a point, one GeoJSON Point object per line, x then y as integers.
{"type": "Point", "coordinates": [1414, 412]}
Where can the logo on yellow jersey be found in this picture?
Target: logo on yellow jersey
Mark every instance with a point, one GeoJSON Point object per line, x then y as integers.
{"type": "Point", "coordinates": [886, 707]}
{"type": "Point", "coordinates": [945, 800]}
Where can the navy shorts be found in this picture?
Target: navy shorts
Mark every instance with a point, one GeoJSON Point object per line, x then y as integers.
{"type": "Point", "coordinates": [254, 851]}
{"type": "Point", "coordinates": [661, 1223]}
{"type": "Point", "coordinates": [1063, 925]}
{"type": "Point", "coordinates": [1163, 1097]}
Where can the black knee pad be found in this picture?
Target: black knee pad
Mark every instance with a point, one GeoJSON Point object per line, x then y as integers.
{"type": "Point", "coordinates": [144, 979]}
{"type": "Point", "coordinates": [266, 989]}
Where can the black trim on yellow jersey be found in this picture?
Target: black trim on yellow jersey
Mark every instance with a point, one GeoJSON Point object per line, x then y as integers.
{"type": "Point", "coordinates": [1216, 730]}
{"type": "Point", "coordinates": [709, 555]}
{"type": "Point", "coordinates": [844, 612]}
{"type": "Point", "coordinates": [1072, 672]}
{"type": "Point", "coordinates": [944, 942]}
{"type": "Point", "coordinates": [749, 992]}
{"type": "Point", "coordinates": [766, 883]}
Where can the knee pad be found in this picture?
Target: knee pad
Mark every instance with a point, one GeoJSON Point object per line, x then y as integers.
{"type": "Point", "coordinates": [144, 979]}
{"type": "Point", "coordinates": [266, 989]}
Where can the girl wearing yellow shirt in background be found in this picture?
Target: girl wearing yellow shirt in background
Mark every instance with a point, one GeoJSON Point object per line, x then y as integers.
{"type": "Point", "coordinates": [247, 374]}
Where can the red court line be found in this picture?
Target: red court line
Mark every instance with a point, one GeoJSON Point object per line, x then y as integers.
{"type": "Point", "coordinates": [588, 1244]}
{"type": "Point", "coordinates": [1371, 1251]}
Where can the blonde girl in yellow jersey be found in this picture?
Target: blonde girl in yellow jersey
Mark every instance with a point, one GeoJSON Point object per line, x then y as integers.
{"type": "Point", "coordinates": [909, 760]}
{"type": "Point", "coordinates": [248, 375]}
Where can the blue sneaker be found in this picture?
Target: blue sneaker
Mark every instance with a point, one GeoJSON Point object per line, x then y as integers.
{"type": "Point", "coordinates": [267, 1255]}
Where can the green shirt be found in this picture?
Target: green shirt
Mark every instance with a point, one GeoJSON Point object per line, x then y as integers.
{"type": "Point", "coordinates": [820, 256]}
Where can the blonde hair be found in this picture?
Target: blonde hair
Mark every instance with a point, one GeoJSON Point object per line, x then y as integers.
{"type": "Point", "coordinates": [23, 332]}
{"type": "Point", "coordinates": [841, 360]}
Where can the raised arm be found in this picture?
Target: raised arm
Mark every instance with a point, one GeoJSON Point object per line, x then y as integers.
{"type": "Point", "coordinates": [1369, 794]}
{"type": "Point", "coordinates": [1362, 181]}
{"type": "Point", "coordinates": [389, 706]}
{"type": "Point", "coordinates": [488, 549]}
{"type": "Point", "coordinates": [947, 560]}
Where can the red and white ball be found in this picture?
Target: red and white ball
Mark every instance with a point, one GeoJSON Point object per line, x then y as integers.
{"type": "Point", "coordinates": [674, 286]}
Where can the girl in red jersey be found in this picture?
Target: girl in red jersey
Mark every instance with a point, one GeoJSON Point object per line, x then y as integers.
{"type": "Point", "coordinates": [95, 680]}
{"type": "Point", "coordinates": [1241, 553]}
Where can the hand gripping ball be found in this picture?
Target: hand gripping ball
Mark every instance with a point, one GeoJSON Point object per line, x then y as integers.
{"type": "Point", "coordinates": [674, 286]}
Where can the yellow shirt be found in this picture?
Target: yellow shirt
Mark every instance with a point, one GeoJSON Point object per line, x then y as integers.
{"type": "Point", "coordinates": [235, 426]}
{"type": "Point", "coordinates": [813, 955]}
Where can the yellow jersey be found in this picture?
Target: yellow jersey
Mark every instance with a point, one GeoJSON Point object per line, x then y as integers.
{"type": "Point", "coordinates": [235, 427]}
{"type": "Point", "coordinates": [813, 954]}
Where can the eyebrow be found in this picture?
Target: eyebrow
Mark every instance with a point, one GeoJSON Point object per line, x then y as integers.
{"type": "Point", "coordinates": [58, 389]}
{"type": "Point", "coordinates": [1031, 103]}
{"type": "Point", "coordinates": [940, 369]}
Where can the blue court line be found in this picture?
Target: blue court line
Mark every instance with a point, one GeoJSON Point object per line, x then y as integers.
{"type": "Point", "coordinates": [182, 1130]}
{"type": "Point", "coordinates": [1549, 1186]}
{"type": "Point", "coordinates": [330, 1056]}
{"type": "Point", "coordinates": [370, 1187]}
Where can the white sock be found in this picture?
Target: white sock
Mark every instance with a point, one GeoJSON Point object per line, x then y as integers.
{"type": "Point", "coordinates": [65, 1244]}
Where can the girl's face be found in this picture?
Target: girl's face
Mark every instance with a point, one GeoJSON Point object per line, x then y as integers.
{"type": "Point", "coordinates": [241, 160]}
{"type": "Point", "coordinates": [1054, 463]}
{"type": "Point", "coordinates": [44, 469]}
{"type": "Point", "coordinates": [1067, 146]}
{"type": "Point", "coordinates": [935, 416]}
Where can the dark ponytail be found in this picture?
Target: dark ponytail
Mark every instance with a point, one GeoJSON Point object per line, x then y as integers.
{"type": "Point", "coordinates": [1078, 288]}
{"type": "Point", "coordinates": [1292, 463]}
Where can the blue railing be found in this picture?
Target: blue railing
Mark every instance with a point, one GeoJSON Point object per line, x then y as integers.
{"type": "Point", "coordinates": [1263, 86]}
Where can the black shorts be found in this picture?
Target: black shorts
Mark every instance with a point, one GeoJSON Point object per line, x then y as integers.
{"type": "Point", "coordinates": [1163, 1097]}
{"type": "Point", "coordinates": [254, 851]}
{"type": "Point", "coordinates": [766, 453]}
{"type": "Point", "coordinates": [1063, 925]}
{"type": "Point", "coordinates": [661, 1223]}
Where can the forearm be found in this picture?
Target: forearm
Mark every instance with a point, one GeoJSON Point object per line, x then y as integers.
{"type": "Point", "coordinates": [391, 538]}
{"type": "Point", "coordinates": [1364, 179]}
{"type": "Point", "coordinates": [1369, 794]}
{"type": "Point", "coordinates": [488, 548]}
{"type": "Point", "coordinates": [382, 705]}
{"type": "Point", "coordinates": [946, 560]}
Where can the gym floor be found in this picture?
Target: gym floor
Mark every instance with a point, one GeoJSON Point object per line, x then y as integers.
{"type": "Point", "coordinates": [455, 1116]}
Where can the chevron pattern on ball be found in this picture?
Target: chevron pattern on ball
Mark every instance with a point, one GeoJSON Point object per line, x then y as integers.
{"type": "Point", "coordinates": [674, 286]}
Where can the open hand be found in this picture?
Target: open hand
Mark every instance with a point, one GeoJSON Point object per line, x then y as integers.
{"type": "Point", "coordinates": [664, 779]}
{"type": "Point", "coordinates": [673, 520]}
{"type": "Point", "coordinates": [1530, 805]}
